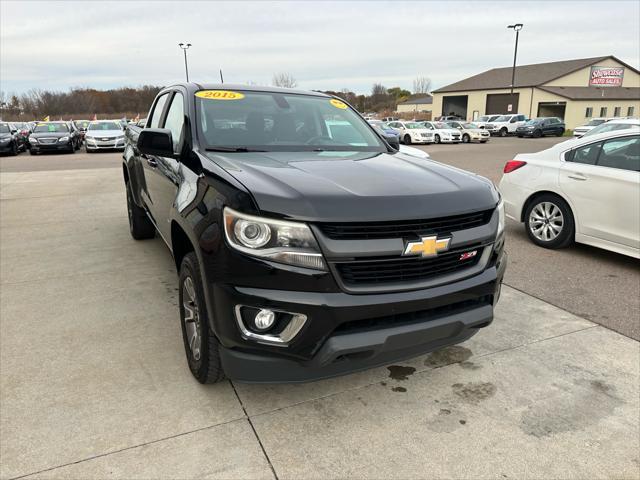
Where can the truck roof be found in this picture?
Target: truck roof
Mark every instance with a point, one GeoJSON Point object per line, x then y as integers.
{"type": "Point", "coordinates": [194, 87]}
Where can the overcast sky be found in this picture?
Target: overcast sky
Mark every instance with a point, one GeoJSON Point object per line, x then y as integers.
{"type": "Point", "coordinates": [324, 45]}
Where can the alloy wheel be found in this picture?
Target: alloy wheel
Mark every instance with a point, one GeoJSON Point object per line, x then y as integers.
{"type": "Point", "coordinates": [546, 221]}
{"type": "Point", "coordinates": [192, 322]}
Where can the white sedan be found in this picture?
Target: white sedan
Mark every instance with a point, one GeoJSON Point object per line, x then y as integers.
{"type": "Point", "coordinates": [585, 190]}
{"type": "Point", "coordinates": [412, 132]}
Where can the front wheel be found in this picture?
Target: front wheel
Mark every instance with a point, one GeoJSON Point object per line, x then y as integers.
{"type": "Point", "coordinates": [503, 132]}
{"type": "Point", "coordinates": [537, 134]}
{"type": "Point", "coordinates": [436, 139]}
{"type": "Point", "coordinates": [549, 222]}
{"type": "Point", "coordinates": [560, 133]}
{"type": "Point", "coordinates": [200, 344]}
{"type": "Point", "coordinates": [407, 139]}
{"type": "Point", "coordinates": [14, 149]}
{"type": "Point", "coordinates": [466, 138]}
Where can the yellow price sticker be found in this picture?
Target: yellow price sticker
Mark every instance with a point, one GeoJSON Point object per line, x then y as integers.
{"type": "Point", "coordinates": [338, 104]}
{"type": "Point", "coordinates": [220, 95]}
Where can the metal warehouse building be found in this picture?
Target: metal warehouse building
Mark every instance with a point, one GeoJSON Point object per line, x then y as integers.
{"type": "Point", "coordinates": [575, 90]}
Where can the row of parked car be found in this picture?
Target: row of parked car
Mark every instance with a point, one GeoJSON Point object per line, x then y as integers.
{"type": "Point", "coordinates": [455, 130]}
{"type": "Point", "coordinates": [63, 136]}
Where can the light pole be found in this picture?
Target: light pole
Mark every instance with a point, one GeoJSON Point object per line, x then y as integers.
{"type": "Point", "coordinates": [516, 28]}
{"type": "Point", "coordinates": [184, 48]}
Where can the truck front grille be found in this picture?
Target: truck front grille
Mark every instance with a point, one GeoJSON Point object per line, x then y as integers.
{"type": "Point", "coordinates": [386, 271]}
{"type": "Point", "coordinates": [409, 228]}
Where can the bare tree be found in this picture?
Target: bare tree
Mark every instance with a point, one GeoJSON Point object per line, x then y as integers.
{"type": "Point", "coordinates": [421, 85]}
{"type": "Point", "coordinates": [284, 80]}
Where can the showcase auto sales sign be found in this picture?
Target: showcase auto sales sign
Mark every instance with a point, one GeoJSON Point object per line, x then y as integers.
{"type": "Point", "coordinates": [606, 76]}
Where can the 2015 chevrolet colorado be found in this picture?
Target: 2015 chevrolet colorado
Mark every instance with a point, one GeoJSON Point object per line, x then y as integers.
{"type": "Point", "coordinates": [306, 245]}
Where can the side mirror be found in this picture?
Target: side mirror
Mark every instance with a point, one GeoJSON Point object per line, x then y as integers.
{"type": "Point", "coordinates": [393, 141]}
{"type": "Point", "coordinates": [156, 141]}
{"type": "Point", "coordinates": [14, 131]}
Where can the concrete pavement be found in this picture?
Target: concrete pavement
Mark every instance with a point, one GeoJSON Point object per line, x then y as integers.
{"type": "Point", "coordinates": [94, 384]}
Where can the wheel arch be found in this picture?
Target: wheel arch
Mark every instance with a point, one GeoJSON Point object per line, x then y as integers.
{"type": "Point", "coordinates": [181, 244]}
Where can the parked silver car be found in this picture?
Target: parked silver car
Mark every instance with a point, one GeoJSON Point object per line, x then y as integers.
{"type": "Point", "coordinates": [104, 135]}
{"type": "Point", "coordinates": [471, 132]}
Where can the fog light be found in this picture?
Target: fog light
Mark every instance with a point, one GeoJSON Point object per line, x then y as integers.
{"type": "Point", "coordinates": [264, 319]}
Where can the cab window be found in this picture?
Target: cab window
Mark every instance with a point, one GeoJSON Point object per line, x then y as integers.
{"type": "Point", "coordinates": [175, 119]}
{"type": "Point", "coordinates": [621, 153]}
{"type": "Point", "coordinates": [156, 114]}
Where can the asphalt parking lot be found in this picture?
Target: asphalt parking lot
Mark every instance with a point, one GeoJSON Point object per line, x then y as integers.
{"type": "Point", "coordinates": [94, 384]}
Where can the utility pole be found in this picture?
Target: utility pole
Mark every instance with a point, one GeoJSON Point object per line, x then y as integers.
{"type": "Point", "coordinates": [516, 28]}
{"type": "Point", "coordinates": [221, 77]}
{"type": "Point", "coordinates": [184, 48]}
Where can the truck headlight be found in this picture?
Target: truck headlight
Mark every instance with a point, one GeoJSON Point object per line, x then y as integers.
{"type": "Point", "coordinates": [276, 240]}
{"type": "Point", "coordinates": [500, 217]}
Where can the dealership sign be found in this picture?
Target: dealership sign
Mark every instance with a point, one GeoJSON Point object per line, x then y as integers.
{"type": "Point", "coordinates": [606, 76]}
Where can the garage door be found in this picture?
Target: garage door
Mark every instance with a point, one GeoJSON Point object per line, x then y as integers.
{"type": "Point", "coordinates": [499, 103]}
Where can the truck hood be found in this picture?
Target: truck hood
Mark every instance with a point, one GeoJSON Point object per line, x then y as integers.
{"type": "Point", "coordinates": [356, 186]}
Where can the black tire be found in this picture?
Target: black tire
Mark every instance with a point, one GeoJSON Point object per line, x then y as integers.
{"type": "Point", "coordinates": [483, 141]}
{"type": "Point", "coordinates": [560, 133]}
{"type": "Point", "coordinates": [140, 226]}
{"type": "Point", "coordinates": [204, 358]}
{"type": "Point", "coordinates": [567, 233]}
{"type": "Point", "coordinates": [537, 133]}
{"type": "Point", "coordinates": [466, 138]}
{"type": "Point", "coordinates": [436, 139]}
{"type": "Point", "coordinates": [14, 149]}
{"type": "Point", "coordinates": [32, 152]}
{"type": "Point", "coordinates": [503, 132]}
{"type": "Point", "coordinates": [519, 136]}
{"type": "Point", "coordinates": [407, 139]}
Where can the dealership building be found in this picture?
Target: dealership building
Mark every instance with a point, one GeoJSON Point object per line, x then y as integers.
{"type": "Point", "coordinates": [574, 90]}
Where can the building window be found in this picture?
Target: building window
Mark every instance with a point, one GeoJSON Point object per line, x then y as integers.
{"type": "Point", "coordinates": [603, 111]}
{"type": "Point", "coordinates": [616, 111]}
{"type": "Point", "coordinates": [630, 111]}
{"type": "Point", "coordinates": [589, 112]}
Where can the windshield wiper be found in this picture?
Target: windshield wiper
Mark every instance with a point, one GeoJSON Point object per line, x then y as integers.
{"type": "Point", "coordinates": [233, 149]}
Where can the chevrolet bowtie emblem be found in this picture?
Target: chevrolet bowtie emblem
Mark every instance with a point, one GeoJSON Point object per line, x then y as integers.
{"type": "Point", "coordinates": [427, 246]}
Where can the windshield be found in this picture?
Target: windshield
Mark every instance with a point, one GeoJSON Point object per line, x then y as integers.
{"type": "Point", "coordinates": [413, 125]}
{"type": "Point", "coordinates": [502, 118]}
{"type": "Point", "coordinates": [82, 123]}
{"type": "Point", "coordinates": [484, 118]}
{"type": "Point", "coordinates": [610, 127]}
{"type": "Point", "coordinates": [4, 128]}
{"type": "Point", "coordinates": [469, 125]}
{"type": "Point", "coordinates": [595, 122]}
{"type": "Point", "coordinates": [533, 121]}
{"type": "Point", "coordinates": [271, 121]}
{"type": "Point", "coordinates": [104, 126]}
{"type": "Point", "coordinates": [494, 118]}
{"type": "Point", "coordinates": [441, 125]}
{"type": "Point", "coordinates": [51, 127]}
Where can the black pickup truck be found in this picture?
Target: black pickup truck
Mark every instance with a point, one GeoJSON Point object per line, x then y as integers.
{"type": "Point", "coordinates": [306, 245]}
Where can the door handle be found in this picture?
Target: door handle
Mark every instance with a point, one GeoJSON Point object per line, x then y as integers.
{"type": "Point", "coordinates": [577, 176]}
{"type": "Point", "coordinates": [151, 162]}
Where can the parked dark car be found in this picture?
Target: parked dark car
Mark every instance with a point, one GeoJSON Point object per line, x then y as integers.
{"type": "Point", "coordinates": [539, 127]}
{"type": "Point", "coordinates": [306, 246]}
{"type": "Point", "coordinates": [54, 136]}
{"type": "Point", "coordinates": [9, 139]}
{"type": "Point", "coordinates": [23, 130]}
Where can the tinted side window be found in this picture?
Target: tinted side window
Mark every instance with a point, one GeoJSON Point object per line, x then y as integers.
{"type": "Point", "coordinates": [175, 119]}
{"type": "Point", "coordinates": [622, 153]}
{"type": "Point", "coordinates": [587, 154]}
{"type": "Point", "coordinates": [154, 119]}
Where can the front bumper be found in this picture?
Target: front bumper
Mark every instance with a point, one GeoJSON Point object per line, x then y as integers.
{"type": "Point", "coordinates": [347, 333]}
{"type": "Point", "coordinates": [104, 145]}
{"type": "Point", "coordinates": [51, 147]}
{"type": "Point", "coordinates": [6, 148]}
{"type": "Point", "coordinates": [450, 139]}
